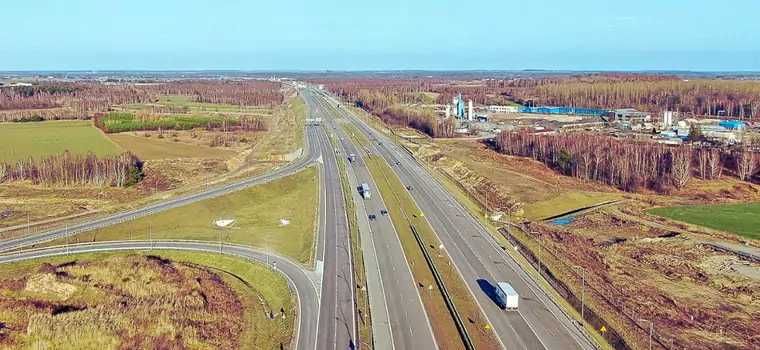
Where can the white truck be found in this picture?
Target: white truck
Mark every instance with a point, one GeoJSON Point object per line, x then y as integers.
{"type": "Point", "coordinates": [351, 157]}
{"type": "Point", "coordinates": [365, 191]}
{"type": "Point", "coordinates": [506, 296]}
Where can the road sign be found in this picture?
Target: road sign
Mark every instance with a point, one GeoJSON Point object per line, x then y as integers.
{"type": "Point", "coordinates": [603, 329]}
{"type": "Point", "coordinates": [488, 326]}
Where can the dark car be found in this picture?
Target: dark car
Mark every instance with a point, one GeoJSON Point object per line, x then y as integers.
{"type": "Point", "coordinates": [409, 188]}
{"type": "Point", "coordinates": [398, 163]}
{"type": "Point", "coordinates": [372, 217]}
{"type": "Point", "coordinates": [380, 143]}
{"type": "Point", "coordinates": [384, 212]}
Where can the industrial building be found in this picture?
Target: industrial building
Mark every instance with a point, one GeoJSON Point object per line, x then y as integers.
{"type": "Point", "coordinates": [733, 124]}
{"type": "Point", "coordinates": [627, 115]}
{"type": "Point", "coordinates": [503, 109]}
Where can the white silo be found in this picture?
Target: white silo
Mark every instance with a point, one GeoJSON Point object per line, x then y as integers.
{"type": "Point", "coordinates": [448, 111]}
{"type": "Point", "coordinates": [469, 114]}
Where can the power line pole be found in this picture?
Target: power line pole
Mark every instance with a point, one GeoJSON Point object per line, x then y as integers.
{"type": "Point", "coordinates": [583, 292]}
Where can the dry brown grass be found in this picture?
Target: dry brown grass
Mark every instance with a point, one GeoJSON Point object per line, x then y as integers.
{"type": "Point", "coordinates": [129, 301]}
{"type": "Point", "coordinates": [667, 280]}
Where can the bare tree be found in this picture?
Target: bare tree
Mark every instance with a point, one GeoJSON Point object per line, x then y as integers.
{"type": "Point", "coordinates": [746, 164]}
{"type": "Point", "coordinates": [681, 166]}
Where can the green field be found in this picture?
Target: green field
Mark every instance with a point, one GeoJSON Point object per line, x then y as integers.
{"type": "Point", "coordinates": [257, 209]}
{"type": "Point", "coordinates": [21, 140]}
{"type": "Point", "coordinates": [564, 203]}
{"type": "Point", "coordinates": [741, 219]}
{"type": "Point", "coordinates": [147, 149]}
{"type": "Point", "coordinates": [260, 290]}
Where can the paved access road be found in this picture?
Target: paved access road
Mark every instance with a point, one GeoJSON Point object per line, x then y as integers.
{"type": "Point", "coordinates": [403, 310]}
{"type": "Point", "coordinates": [540, 323]}
{"type": "Point", "coordinates": [338, 326]}
{"type": "Point", "coordinates": [311, 153]}
{"type": "Point", "coordinates": [298, 279]}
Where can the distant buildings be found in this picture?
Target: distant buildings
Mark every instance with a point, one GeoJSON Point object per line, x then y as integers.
{"type": "Point", "coordinates": [733, 124]}
{"type": "Point", "coordinates": [503, 109]}
{"type": "Point", "coordinates": [628, 115]}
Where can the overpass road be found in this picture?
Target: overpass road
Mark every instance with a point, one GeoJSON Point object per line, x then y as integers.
{"type": "Point", "coordinates": [539, 323]}
{"type": "Point", "coordinates": [297, 276]}
{"type": "Point", "coordinates": [397, 292]}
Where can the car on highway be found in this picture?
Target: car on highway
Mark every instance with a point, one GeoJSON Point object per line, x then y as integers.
{"type": "Point", "coordinates": [384, 212]}
{"type": "Point", "coordinates": [409, 188]}
{"type": "Point", "coordinates": [380, 143]}
{"type": "Point", "coordinates": [398, 163]}
{"type": "Point", "coordinates": [372, 217]}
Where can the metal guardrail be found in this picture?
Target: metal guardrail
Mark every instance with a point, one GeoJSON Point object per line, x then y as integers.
{"type": "Point", "coordinates": [445, 293]}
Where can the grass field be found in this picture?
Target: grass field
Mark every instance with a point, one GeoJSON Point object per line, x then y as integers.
{"type": "Point", "coordinates": [741, 219]}
{"type": "Point", "coordinates": [170, 298]}
{"type": "Point", "coordinates": [397, 199]}
{"type": "Point", "coordinates": [21, 140]}
{"type": "Point", "coordinates": [147, 149]}
{"type": "Point", "coordinates": [257, 209]}
{"type": "Point", "coordinates": [564, 203]}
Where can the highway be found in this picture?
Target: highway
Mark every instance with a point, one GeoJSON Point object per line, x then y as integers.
{"type": "Point", "coordinates": [539, 323]}
{"type": "Point", "coordinates": [399, 292]}
{"type": "Point", "coordinates": [298, 278]}
{"type": "Point", "coordinates": [338, 325]}
{"type": "Point", "coordinates": [308, 158]}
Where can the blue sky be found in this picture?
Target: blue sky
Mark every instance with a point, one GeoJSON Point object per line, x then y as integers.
{"type": "Point", "coordinates": [389, 34]}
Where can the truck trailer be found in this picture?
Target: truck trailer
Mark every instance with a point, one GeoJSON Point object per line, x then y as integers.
{"type": "Point", "coordinates": [506, 296]}
{"type": "Point", "coordinates": [365, 191]}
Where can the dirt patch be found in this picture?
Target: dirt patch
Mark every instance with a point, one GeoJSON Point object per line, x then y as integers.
{"type": "Point", "coordinates": [48, 284]}
{"type": "Point", "coordinates": [123, 299]}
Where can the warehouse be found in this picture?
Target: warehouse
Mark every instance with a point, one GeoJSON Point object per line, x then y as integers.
{"type": "Point", "coordinates": [628, 115]}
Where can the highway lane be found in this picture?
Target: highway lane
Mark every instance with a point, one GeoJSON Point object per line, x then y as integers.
{"type": "Point", "coordinates": [540, 323]}
{"type": "Point", "coordinates": [338, 326]}
{"type": "Point", "coordinates": [311, 153]}
{"type": "Point", "coordinates": [298, 279]}
{"type": "Point", "coordinates": [409, 323]}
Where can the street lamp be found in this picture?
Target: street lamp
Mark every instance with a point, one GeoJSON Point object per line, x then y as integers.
{"type": "Point", "coordinates": [539, 250]}
{"type": "Point", "coordinates": [583, 292]}
{"type": "Point", "coordinates": [651, 329]}
{"type": "Point", "coordinates": [266, 247]}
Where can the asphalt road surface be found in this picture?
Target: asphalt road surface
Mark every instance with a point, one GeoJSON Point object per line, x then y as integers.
{"type": "Point", "coordinates": [409, 323]}
{"type": "Point", "coordinates": [311, 153]}
{"type": "Point", "coordinates": [338, 326]}
{"type": "Point", "coordinates": [539, 323]}
{"type": "Point", "coordinates": [298, 279]}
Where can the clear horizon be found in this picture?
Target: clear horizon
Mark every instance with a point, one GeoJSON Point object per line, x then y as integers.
{"type": "Point", "coordinates": [591, 35]}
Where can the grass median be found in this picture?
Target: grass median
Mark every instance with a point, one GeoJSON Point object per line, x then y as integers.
{"type": "Point", "coordinates": [258, 211]}
{"type": "Point", "coordinates": [166, 299]}
{"type": "Point", "coordinates": [398, 200]}
{"type": "Point", "coordinates": [477, 210]}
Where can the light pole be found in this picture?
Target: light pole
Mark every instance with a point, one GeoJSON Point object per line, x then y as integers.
{"type": "Point", "coordinates": [539, 250]}
{"type": "Point", "coordinates": [651, 329]}
{"type": "Point", "coordinates": [583, 292]}
{"type": "Point", "coordinates": [150, 233]}
{"type": "Point", "coordinates": [266, 247]}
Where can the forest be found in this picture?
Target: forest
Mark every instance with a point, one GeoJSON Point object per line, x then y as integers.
{"type": "Point", "coordinates": [630, 165]}
{"type": "Point", "coordinates": [730, 99]}
{"type": "Point", "coordinates": [65, 169]}
{"type": "Point", "coordinates": [78, 100]}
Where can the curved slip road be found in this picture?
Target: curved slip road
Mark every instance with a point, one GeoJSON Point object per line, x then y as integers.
{"type": "Point", "coordinates": [311, 153]}
{"type": "Point", "coordinates": [297, 276]}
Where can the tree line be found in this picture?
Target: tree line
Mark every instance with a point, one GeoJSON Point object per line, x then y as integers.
{"type": "Point", "coordinates": [647, 92]}
{"type": "Point", "coordinates": [66, 169]}
{"type": "Point", "coordinates": [142, 121]}
{"type": "Point", "coordinates": [630, 165]}
{"type": "Point", "coordinates": [238, 93]}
